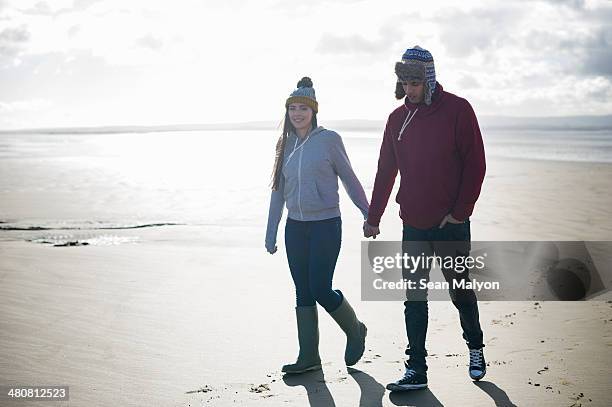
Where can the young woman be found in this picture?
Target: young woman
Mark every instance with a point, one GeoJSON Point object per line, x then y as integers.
{"type": "Point", "coordinates": [309, 160]}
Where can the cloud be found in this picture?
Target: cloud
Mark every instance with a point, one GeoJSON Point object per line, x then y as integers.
{"type": "Point", "coordinates": [149, 41]}
{"type": "Point", "coordinates": [587, 52]}
{"type": "Point", "coordinates": [545, 56]}
{"type": "Point", "coordinates": [468, 82]}
{"type": "Point", "coordinates": [583, 44]}
{"type": "Point", "coordinates": [599, 62]}
{"type": "Point", "coordinates": [335, 44]}
{"type": "Point", "coordinates": [74, 30]}
{"type": "Point", "coordinates": [594, 52]}
{"type": "Point", "coordinates": [84, 4]}
{"type": "Point", "coordinates": [58, 7]}
{"type": "Point", "coordinates": [464, 33]}
{"type": "Point", "coordinates": [40, 8]}
{"type": "Point", "coordinates": [15, 35]}
{"type": "Point", "coordinates": [357, 44]}
{"type": "Point", "coordinates": [12, 41]}
{"type": "Point", "coordinates": [576, 4]}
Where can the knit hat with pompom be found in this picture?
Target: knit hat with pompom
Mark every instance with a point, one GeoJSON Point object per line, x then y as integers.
{"type": "Point", "coordinates": [304, 94]}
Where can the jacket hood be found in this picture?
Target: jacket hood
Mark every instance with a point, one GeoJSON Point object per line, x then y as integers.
{"type": "Point", "coordinates": [423, 109]}
{"type": "Point", "coordinates": [314, 131]}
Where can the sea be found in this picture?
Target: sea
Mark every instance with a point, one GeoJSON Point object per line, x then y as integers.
{"type": "Point", "coordinates": [83, 188]}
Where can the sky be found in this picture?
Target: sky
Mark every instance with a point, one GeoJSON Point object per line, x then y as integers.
{"type": "Point", "coordinates": [129, 62]}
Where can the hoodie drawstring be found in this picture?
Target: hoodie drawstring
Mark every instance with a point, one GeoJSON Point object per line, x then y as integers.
{"type": "Point", "coordinates": [296, 147]}
{"type": "Point", "coordinates": [407, 122]}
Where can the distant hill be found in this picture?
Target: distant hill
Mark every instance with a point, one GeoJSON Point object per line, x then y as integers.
{"type": "Point", "coordinates": [486, 122]}
{"type": "Point", "coordinates": [145, 129]}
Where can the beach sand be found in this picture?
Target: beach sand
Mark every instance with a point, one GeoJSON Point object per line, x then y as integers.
{"type": "Point", "coordinates": [193, 315]}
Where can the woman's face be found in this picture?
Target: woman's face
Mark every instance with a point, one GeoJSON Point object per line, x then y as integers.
{"type": "Point", "coordinates": [300, 116]}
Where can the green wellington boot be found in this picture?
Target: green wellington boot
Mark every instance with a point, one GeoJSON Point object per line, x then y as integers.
{"type": "Point", "coordinates": [308, 338]}
{"type": "Point", "coordinates": [354, 329]}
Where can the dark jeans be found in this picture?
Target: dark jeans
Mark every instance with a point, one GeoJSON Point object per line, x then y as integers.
{"type": "Point", "coordinates": [312, 251]}
{"type": "Point", "coordinates": [451, 240]}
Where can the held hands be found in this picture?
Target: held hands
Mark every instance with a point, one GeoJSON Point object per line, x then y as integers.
{"type": "Point", "coordinates": [373, 231]}
{"type": "Point", "coordinates": [369, 230]}
{"type": "Point", "coordinates": [449, 219]}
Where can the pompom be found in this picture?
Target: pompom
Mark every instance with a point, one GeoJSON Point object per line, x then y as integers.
{"type": "Point", "coordinates": [305, 82]}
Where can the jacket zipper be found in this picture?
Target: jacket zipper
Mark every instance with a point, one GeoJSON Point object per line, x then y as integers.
{"type": "Point", "coordinates": [300, 185]}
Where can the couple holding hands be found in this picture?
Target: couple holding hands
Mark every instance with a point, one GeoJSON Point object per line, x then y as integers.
{"type": "Point", "coordinates": [433, 140]}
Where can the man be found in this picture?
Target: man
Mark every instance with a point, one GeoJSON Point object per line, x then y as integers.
{"type": "Point", "coordinates": [434, 140]}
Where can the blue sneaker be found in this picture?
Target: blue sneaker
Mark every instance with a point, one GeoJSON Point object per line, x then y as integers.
{"type": "Point", "coordinates": [478, 365]}
{"type": "Point", "coordinates": [412, 380]}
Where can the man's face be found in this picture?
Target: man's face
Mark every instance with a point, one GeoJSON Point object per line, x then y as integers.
{"type": "Point", "coordinates": [415, 91]}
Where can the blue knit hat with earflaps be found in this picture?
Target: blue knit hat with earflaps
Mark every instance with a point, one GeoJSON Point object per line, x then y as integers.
{"type": "Point", "coordinates": [418, 64]}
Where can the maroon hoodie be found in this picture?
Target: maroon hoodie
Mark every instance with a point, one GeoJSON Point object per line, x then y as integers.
{"type": "Point", "coordinates": [440, 157]}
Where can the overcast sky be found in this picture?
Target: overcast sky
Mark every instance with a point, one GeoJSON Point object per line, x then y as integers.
{"type": "Point", "coordinates": [103, 62]}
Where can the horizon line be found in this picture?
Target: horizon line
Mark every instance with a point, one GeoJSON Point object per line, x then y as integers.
{"type": "Point", "coordinates": [605, 122]}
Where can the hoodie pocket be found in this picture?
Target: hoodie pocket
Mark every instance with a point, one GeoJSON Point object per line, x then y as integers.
{"type": "Point", "coordinates": [310, 199]}
{"type": "Point", "coordinates": [328, 195]}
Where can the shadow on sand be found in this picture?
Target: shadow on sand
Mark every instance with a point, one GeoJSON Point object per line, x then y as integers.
{"type": "Point", "coordinates": [316, 389]}
{"type": "Point", "coordinates": [498, 395]}
{"type": "Point", "coordinates": [372, 392]}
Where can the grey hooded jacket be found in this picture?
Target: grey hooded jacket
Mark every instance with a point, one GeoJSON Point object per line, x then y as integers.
{"type": "Point", "coordinates": [309, 181]}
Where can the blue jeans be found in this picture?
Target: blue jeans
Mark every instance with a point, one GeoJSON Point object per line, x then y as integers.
{"type": "Point", "coordinates": [416, 311]}
{"type": "Point", "coordinates": [312, 252]}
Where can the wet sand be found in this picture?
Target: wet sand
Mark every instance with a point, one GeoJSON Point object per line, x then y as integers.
{"type": "Point", "coordinates": [191, 315]}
